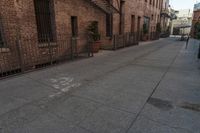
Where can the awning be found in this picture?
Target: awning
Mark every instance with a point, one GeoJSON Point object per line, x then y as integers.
{"type": "Point", "coordinates": [105, 6]}
{"type": "Point", "coordinates": [165, 13]}
{"type": "Point", "coordinates": [183, 26]}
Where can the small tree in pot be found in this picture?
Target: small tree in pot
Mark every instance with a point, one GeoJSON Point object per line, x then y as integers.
{"type": "Point", "coordinates": [158, 30]}
{"type": "Point", "coordinates": [94, 36]}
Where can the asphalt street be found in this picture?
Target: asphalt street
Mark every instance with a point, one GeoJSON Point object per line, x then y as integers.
{"type": "Point", "coordinates": [150, 88]}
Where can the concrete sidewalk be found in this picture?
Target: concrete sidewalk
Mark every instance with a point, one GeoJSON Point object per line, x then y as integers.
{"type": "Point", "coordinates": [153, 88]}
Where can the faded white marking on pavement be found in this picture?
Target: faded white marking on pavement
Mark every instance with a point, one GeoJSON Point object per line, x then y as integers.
{"type": "Point", "coordinates": [63, 85]}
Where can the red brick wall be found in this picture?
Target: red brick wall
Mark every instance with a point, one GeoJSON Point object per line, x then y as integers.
{"type": "Point", "coordinates": [8, 20]}
{"type": "Point", "coordinates": [140, 8]}
{"type": "Point", "coordinates": [196, 16]}
{"type": "Point", "coordinates": [19, 22]}
{"type": "Point", "coordinates": [21, 15]}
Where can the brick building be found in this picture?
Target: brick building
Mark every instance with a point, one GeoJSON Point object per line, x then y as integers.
{"type": "Point", "coordinates": [36, 32]}
{"type": "Point", "coordinates": [195, 21]}
{"type": "Point", "coordinates": [140, 12]}
{"type": "Point", "coordinates": [165, 19]}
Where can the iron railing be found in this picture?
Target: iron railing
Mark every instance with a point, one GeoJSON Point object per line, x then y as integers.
{"type": "Point", "coordinates": [125, 40]}
{"type": "Point", "coordinates": [25, 53]}
{"type": "Point", "coordinates": [154, 35]}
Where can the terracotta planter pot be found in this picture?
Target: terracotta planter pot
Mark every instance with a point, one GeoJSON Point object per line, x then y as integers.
{"type": "Point", "coordinates": [145, 37]}
{"type": "Point", "coordinates": [96, 46]}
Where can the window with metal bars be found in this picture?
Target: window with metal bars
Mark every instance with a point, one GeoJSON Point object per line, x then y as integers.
{"type": "Point", "coordinates": [109, 25]}
{"type": "Point", "coordinates": [1, 36]}
{"type": "Point", "coordinates": [74, 24]}
{"type": "Point", "coordinates": [1, 41]}
{"type": "Point", "coordinates": [45, 20]}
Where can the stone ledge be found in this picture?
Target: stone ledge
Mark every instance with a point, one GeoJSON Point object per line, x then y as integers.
{"type": "Point", "coordinates": [46, 45]}
{"type": "Point", "coordinates": [4, 50]}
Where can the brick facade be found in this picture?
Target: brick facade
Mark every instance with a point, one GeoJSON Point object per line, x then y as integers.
{"type": "Point", "coordinates": [196, 19]}
{"type": "Point", "coordinates": [21, 35]}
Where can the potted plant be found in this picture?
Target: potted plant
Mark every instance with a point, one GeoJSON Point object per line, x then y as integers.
{"type": "Point", "coordinates": [94, 36]}
{"type": "Point", "coordinates": [145, 32]}
{"type": "Point", "coordinates": [158, 30]}
{"type": "Point", "coordinates": [197, 30]}
{"type": "Point", "coordinates": [158, 27]}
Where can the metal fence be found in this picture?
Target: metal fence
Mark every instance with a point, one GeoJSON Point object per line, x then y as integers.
{"type": "Point", "coordinates": [124, 40]}
{"type": "Point", "coordinates": [25, 53]}
{"type": "Point", "coordinates": [154, 35]}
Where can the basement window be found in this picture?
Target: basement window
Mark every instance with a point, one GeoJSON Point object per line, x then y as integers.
{"type": "Point", "coordinates": [45, 20]}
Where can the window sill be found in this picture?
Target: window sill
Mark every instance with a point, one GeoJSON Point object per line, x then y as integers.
{"type": "Point", "coordinates": [109, 37]}
{"type": "Point", "coordinates": [46, 45]}
{"type": "Point", "coordinates": [4, 50]}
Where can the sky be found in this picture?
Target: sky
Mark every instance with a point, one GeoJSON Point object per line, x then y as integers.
{"type": "Point", "coordinates": [183, 4]}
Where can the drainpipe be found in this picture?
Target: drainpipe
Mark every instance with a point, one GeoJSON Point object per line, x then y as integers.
{"type": "Point", "coordinates": [122, 17]}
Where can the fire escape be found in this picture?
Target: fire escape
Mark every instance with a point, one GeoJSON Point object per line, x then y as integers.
{"type": "Point", "coordinates": [109, 8]}
{"type": "Point", "coordinates": [105, 5]}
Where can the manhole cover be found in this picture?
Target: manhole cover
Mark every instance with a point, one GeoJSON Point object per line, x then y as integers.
{"type": "Point", "coordinates": [161, 104]}
{"type": "Point", "coordinates": [194, 107]}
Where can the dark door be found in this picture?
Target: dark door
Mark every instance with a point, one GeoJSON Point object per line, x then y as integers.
{"type": "Point", "coordinates": [74, 25]}
{"type": "Point", "coordinates": [138, 28]}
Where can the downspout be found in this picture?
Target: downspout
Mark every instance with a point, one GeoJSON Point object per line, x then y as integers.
{"type": "Point", "coordinates": [122, 17]}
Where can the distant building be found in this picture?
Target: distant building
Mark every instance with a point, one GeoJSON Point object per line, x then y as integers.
{"type": "Point", "coordinates": [165, 18]}
{"type": "Point", "coordinates": [197, 6]}
{"type": "Point", "coordinates": [182, 25]}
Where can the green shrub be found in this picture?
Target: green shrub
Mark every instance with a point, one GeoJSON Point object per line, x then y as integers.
{"type": "Point", "coordinates": [145, 28]}
{"type": "Point", "coordinates": [158, 27]}
{"type": "Point", "coordinates": [93, 32]}
{"type": "Point", "coordinates": [197, 30]}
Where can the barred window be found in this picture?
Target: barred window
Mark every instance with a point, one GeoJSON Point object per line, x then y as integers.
{"type": "Point", "coordinates": [45, 20]}
{"type": "Point", "coordinates": [1, 35]}
{"type": "Point", "coordinates": [147, 21]}
{"type": "Point", "coordinates": [1, 41]}
{"type": "Point", "coordinates": [74, 24]}
{"type": "Point", "coordinates": [109, 25]}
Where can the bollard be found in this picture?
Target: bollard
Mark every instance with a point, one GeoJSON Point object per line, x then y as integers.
{"type": "Point", "coordinates": [199, 52]}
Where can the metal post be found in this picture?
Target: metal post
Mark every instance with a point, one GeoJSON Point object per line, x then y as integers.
{"type": "Point", "coordinates": [72, 49]}
{"type": "Point", "coordinates": [114, 41]}
{"type": "Point", "coordinates": [50, 50]}
{"type": "Point", "coordinates": [18, 47]}
{"type": "Point", "coordinates": [199, 52]}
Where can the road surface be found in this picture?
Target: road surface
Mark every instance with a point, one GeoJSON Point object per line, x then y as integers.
{"type": "Point", "coordinates": [150, 88]}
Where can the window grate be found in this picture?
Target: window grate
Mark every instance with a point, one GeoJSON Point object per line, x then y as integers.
{"type": "Point", "coordinates": [1, 34]}
{"type": "Point", "coordinates": [1, 40]}
{"type": "Point", "coordinates": [45, 20]}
